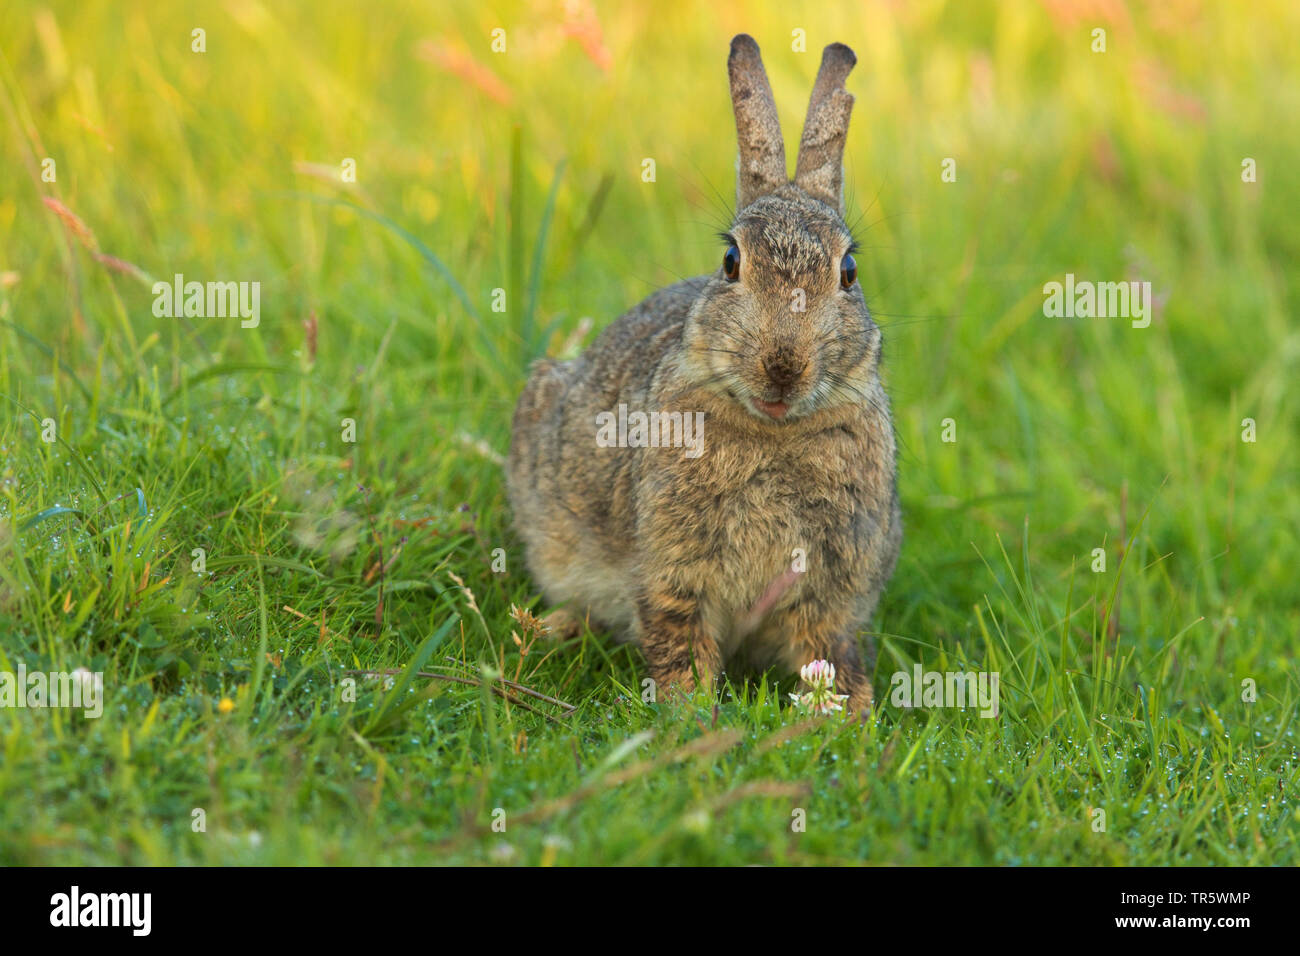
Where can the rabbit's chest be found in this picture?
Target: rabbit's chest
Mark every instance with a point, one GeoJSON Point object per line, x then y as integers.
{"type": "Point", "coordinates": [785, 508]}
{"type": "Point", "coordinates": [791, 524]}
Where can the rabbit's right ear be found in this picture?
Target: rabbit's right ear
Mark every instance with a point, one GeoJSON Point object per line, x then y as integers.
{"type": "Point", "coordinates": [761, 165]}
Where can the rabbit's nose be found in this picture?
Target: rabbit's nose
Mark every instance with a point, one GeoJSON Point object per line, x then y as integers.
{"type": "Point", "coordinates": [783, 369]}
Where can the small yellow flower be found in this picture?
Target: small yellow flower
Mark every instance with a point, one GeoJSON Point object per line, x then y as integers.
{"type": "Point", "coordinates": [226, 705]}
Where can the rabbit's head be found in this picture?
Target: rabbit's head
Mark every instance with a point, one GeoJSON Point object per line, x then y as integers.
{"type": "Point", "coordinates": [782, 327]}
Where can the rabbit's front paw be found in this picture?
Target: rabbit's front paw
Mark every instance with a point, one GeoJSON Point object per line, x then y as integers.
{"type": "Point", "coordinates": [679, 653]}
{"type": "Point", "coordinates": [851, 678]}
{"type": "Point", "coordinates": [861, 700]}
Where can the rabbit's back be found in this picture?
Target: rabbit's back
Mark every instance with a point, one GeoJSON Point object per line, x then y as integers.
{"type": "Point", "coordinates": [574, 499]}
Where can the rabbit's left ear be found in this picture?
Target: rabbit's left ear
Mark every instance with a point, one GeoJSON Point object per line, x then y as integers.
{"type": "Point", "coordinates": [820, 169]}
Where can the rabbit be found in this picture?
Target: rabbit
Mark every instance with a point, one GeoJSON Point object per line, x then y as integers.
{"type": "Point", "coordinates": [765, 535]}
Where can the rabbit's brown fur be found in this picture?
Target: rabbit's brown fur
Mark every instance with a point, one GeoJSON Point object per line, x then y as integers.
{"type": "Point", "coordinates": [673, 548]}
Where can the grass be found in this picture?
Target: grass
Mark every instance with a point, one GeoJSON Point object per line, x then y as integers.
{"type": "Point", "coordinates": [227, 690]}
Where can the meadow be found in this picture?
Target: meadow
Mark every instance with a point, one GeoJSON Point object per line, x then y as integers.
{"type": "Point", "coordinates": [286, 544]}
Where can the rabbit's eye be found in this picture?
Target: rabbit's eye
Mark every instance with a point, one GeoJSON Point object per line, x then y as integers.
{"type": "Point", "coordinates": [848, 271]}
{"type": "Point", "coordinates": [731, 264]}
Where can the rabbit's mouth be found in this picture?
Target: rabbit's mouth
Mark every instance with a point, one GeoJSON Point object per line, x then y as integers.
{"type": "Point", "coordinates": [784, 409]}
{"type": "Point", "coordinates": [774, 410]}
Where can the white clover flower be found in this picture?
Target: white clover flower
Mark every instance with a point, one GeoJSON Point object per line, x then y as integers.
{"type": "Point", "coordinates": [819, 675]}
{"type": "Point", "coordinates": [818, 672]}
